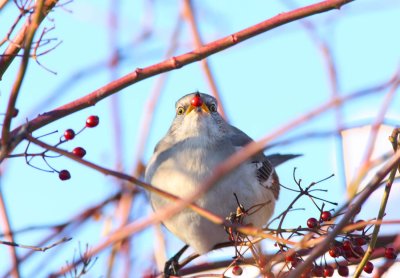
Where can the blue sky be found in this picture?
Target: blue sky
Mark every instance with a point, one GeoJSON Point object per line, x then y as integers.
{"type": "Point", "coordinates": [264, 82]}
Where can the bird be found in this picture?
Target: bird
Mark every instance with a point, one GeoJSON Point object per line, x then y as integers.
{"type": "Point", "coordinates": [198, 140]}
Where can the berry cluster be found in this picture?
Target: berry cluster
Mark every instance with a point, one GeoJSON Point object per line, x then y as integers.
{"type": "Point", "coordinates": [347, 247]}
{"type": "Point", "coordinates": [68, 135]}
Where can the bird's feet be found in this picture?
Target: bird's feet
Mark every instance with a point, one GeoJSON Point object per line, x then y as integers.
{"type": "Point", "coordinates": [172, 266]}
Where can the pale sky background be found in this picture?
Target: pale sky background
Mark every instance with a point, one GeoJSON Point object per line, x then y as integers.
{"type": "Point", "coordinates": [264, 83]}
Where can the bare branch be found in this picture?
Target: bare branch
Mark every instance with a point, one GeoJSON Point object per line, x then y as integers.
{"type": "Point", "coordinates": [36, 248]}
{"type": "Point", "coordinates": [18, 41]}
{"type": "Point", "coordinates": [26, 41]}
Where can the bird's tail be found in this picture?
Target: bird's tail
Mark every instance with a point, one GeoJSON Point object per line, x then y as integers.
{"type": "Point", "coordinates": [277, 159]}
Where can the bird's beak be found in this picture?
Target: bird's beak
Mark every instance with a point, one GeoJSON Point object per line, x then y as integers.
{"type": "Point", "coordinates": [203, 107]}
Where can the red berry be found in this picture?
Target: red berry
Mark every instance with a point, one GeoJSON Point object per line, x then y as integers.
{"type": "Point", "coordinates": [390, 253]}
{"type": "Point", "coordinates": [369, 267]}
{"type": "Point", "coordinates": [64, 175]}
{"type": "Point", "coordinates": [348, 254]}
{"type": "Point", "coordinates": [15, 112]}
{"type": "Point", "coordinates": [92, 121]}
{"type": "Point", "coordinates": [295, 262]}
{"type": "Point", "coordinates": [69, 134]}
{"type": "Point", "coordinates": [348, 250]}
{"type": "Point", "coordinates": [237, 270]}
{"type": "Point", "coordinates": [79, 152]}
{"type": "Point", "coordinates": [290, 258]}
{"type": "Point", "coordinates": [317, 271]}
{"type": "Point", "coordinates": [196, 100]}
{"type": "Point", "coordinates": [326, 216]}
{"type": "Point", "coordinates": [359, 251]}
{"type": "Point", "coordinates": [347, 245]}
{"type": "Point", "coordinates": [328, 271]}
{"type": "Point", "coordinates": [312, 223]}
{"type": "Point", "coordinates": [335, 251]}
{"type": "Point", "coordinates": [343, 270]}
{"type": "Point", "coordinates": [360, 241]}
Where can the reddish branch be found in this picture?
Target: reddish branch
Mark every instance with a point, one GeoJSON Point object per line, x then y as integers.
{"type": "Point", "coordinates": [175, 63]}
{"type": "Point", "coordinates": [24, 39]}
{"type": "Point", "coordinates": [18, 41]}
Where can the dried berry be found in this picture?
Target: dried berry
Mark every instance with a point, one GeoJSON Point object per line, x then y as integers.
{"type": "Point", "coordinates": [317, 271]}
{"type": "Point", "coordinates": [64, 175]}
{"type": "Point", "coordinates": [343, 270]}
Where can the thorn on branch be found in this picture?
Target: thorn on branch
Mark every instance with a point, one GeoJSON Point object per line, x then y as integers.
{"type": "Point", "coordinates": [234, 38]}
{"type": "Point", "coordinates": [138, 72]}
{"type": "Point", "coordinates": [175, 63]}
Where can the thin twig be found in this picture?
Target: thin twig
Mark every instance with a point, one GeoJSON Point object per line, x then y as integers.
{"type": "Point", "coordinates": [27, 44]}
{"type": "Point", "coordinates": [18, 41]}
{"type": "Point", "coordinates": [36, 248]}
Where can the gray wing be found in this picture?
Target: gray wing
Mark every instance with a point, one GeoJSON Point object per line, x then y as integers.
{"type": "Point", "coordinates": [238, 137]}
{"type": "Point", "coordinates": [264, 169]}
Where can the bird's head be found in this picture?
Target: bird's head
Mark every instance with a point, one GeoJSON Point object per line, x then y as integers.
{"type": "Point", "coordinates": [197, 115]}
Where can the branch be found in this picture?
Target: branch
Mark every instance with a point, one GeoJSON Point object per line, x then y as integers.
{"type": "Point", "coordinates": [12, 50]}
{"type": "Point", "coordinates": [36, 248]}
{"type": "Point", "coordinates": [26, 38]}
{"type": "Point", "coordinates": [5, 222]}
{"type": "Point", "coordinates": [178, 62]}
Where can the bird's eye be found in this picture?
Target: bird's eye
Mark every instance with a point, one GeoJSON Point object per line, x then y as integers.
{"type": "Point", "coordinates": [213, 108]}
{"type": "Point", "coordinates": [180, 110]}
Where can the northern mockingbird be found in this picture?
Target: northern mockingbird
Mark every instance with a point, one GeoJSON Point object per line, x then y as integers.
{"type": "Point", "coordinates": [198, 140]}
